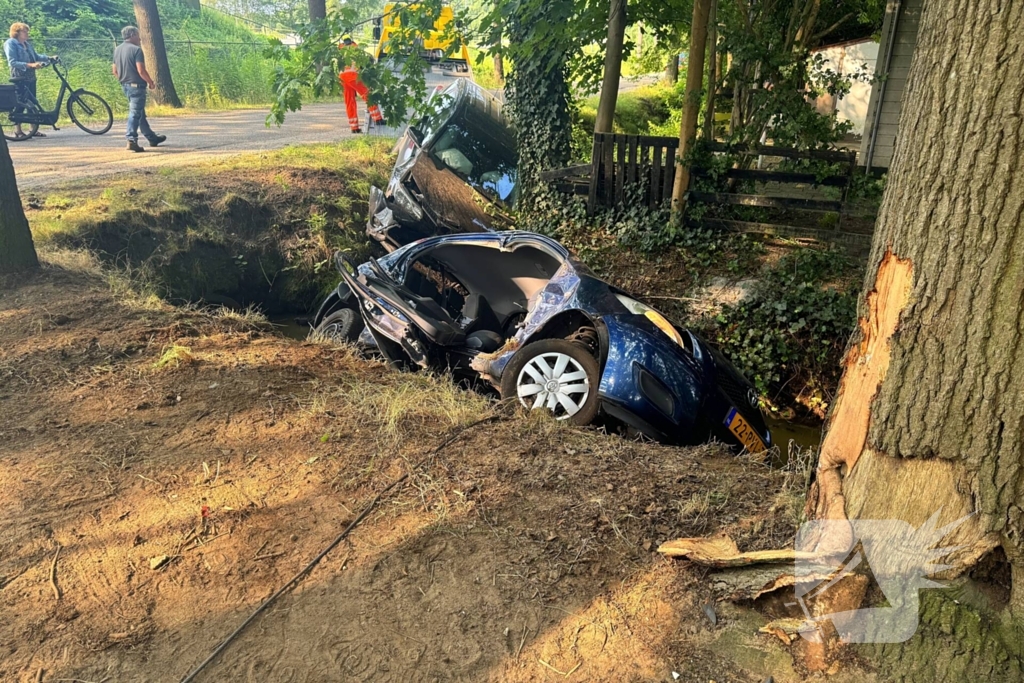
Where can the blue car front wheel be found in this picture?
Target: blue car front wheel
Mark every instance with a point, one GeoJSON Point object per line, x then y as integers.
{"type": "Point", "coordinates": [556, 375]}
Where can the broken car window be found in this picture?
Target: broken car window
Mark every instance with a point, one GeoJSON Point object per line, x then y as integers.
{"type": "Point", "coordinates": [472, 151]}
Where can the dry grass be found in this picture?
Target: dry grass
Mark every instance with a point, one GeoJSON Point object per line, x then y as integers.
{"type": "Point", "coordinates": [125, 284]}
{"type": "Point", "coordinates": [398, 404]}
{"type": "Point", "coordinates": [71, 260]}
{"type": "Point", "coordinates": [175, 356]}
{"type": "Point", "coordinates": [249, 315]}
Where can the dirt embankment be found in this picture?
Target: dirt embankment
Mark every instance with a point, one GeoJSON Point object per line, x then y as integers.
{"type": "Point", "coordinates": [523, 551]}
{"type": "Point", "coordinates": [255, 230]}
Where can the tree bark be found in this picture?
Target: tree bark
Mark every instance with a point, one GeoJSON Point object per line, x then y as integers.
{"type": "Point", "coordinates": [499, 68]}
{"type": "Point", "coordinates": [612, 67]}
{"type": "Point", "coordinates": [317, 10]}
{"type": "Point", "coordinates": [17, 252]}
{"type": "Point", "coordinates": [930, 410]}
{"type": "Point", "coordinates": [148, 18]}
{"type": "Point", "coordinates": [691, 100]}
{"type": "Point", "coordinates": [709, 113]}
{"type": "Point", "coordinates": [672, 67]}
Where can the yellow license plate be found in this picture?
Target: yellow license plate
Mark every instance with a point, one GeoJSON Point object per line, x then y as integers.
{"type": "Point", "coordinates": [744, 432]}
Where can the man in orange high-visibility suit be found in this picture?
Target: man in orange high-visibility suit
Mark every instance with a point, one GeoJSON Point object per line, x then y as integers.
{"type": "Point", "coordinates": [353, 86]}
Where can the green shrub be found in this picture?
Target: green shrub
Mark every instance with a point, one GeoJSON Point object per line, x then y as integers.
{"type": "Point", "coordinates": [795, 326]}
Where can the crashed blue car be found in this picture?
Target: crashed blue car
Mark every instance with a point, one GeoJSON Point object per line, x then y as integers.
{"type": "Point", "coordinates": [516, 311]}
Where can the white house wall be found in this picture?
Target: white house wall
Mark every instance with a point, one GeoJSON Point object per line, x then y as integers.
{"type": "Point", "coordinates": [851, 59]}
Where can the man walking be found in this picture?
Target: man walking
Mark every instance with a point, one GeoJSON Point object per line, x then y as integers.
{"type": "Point", "coordinates": [130, 69]}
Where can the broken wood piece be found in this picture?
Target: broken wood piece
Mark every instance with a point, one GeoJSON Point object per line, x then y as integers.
{"type": "Point", "coordinates": [158, 561]}
{"type": "Point", "coordinates": [789, 629]}
{"type": "Point", "coordinates": [747, 584]}
{"type": "Point", "coordinates": [721, 551]}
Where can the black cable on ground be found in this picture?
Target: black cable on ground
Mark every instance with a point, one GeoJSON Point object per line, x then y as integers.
{"type": "Point", "coordinates": [316, 560]}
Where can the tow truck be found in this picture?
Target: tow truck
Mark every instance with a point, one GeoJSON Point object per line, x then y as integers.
{"type": "Point", "coordinates": [435, 47]}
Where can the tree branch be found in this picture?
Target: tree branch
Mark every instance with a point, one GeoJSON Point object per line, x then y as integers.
{"type": "Point", "coordinates": [818, 36]}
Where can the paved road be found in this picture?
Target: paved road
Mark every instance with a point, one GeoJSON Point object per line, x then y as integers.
{"type": "Point", "coordinates": [70, 154]}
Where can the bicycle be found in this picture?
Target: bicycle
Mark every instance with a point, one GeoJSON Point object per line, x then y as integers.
{"type": "Point", "coordinates": [87, 110]}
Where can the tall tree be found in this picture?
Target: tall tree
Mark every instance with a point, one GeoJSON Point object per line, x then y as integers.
{"type": "Point", "coordinates": [148, 17]}
{"type": "Point", "coordinates": [930, 411]}
{"type": "Point", "coordinates": [612, 66]}
{"type": "Point", "coordinates": [17, 252]}
{"type": "Point", "coordinates": [317, 10]}
{"type": "Point", "coordinates": [691, 99]}
{"type": "Point", "coordinates": [537, 89]}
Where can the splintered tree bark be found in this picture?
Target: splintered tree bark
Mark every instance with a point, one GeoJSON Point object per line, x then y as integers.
{"type": "Point", "coordinates": [930, 411]}
{"type": "Point", "coordinates": [148, 18]}
{"type": "Point", "coordinates": [17, 252]}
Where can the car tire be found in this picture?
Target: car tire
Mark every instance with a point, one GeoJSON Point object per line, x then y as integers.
{"type": "Point", "coordinates": [566, 367]}
{"type": "Point", "coordinates": [343, 325]}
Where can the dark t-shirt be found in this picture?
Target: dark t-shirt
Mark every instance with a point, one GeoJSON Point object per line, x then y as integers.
{"type": "Point", "coordinates": [126, 56]}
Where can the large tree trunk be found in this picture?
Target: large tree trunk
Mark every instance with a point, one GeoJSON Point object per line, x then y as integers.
{"type": "Point", "coordinates": [612, 67]}
{"type": "Point", "coordinates": [930, 411]}
{"type": "Point", "coordinates": [691, 99]}
{"type": "Point", "coordinates": [317, 10]}
{"type": "Point", "coordinates": [148, 18]}
{"type": "Point", "coordinates": [17, 252]}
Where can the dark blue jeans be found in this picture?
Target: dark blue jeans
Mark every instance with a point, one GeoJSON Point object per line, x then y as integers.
{"type": "Point", "coordinates": [137, 114]}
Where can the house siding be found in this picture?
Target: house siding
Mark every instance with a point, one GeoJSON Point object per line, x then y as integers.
{"type": "Point", "coordinates": [884, 107]}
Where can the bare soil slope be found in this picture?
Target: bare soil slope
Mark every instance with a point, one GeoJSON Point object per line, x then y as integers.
{"type": "Point", "coordinates": [131, 431]}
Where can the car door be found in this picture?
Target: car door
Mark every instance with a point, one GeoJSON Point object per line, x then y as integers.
{"type": "Point", "coordinates": [408, 329]}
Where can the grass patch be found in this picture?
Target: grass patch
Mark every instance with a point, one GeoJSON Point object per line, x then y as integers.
{"type": "Point", "coordinates": [175, 356]}
{"type": "Point", "coordinates": [483, 71]}
{"type": "Point", "coordinates": [642, 111]}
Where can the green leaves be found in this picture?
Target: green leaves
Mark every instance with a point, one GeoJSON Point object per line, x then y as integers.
{"type": "Point", "coordinates": [396, 85]}
{"type": "Point", "coordinates": [795, 326]}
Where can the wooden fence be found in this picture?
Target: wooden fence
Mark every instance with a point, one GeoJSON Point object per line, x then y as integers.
{"type": "Point", "coordinates": [841, 177]}
{"type": "Point", "coordinates": [623, 164]}
{"type": "Point", "coordinates": [642, 168]}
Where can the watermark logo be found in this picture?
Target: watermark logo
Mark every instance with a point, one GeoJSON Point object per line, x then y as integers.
{"type": "Point", "coordinates": [888, 560]}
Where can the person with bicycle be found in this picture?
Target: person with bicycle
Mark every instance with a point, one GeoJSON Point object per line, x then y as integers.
{"type": "Point", "coordinates": [23, 61]}
{"type": "Point", "coordinates": [130, 70]}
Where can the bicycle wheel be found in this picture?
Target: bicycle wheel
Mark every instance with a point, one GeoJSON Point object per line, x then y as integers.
{"type": "Point", "coordinates": [7, 125]}
{"type": "Point", "coordinates": [90, 112]}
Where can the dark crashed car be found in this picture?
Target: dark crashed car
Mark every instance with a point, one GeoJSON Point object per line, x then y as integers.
{"type": "Point", "coordinates": [519, 312]}
{"type": "Point", "coordinates": [456, 171]}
